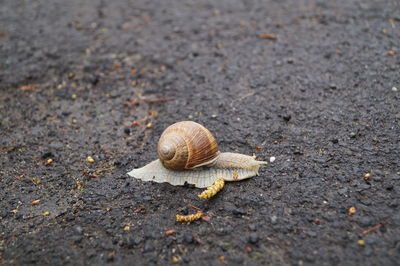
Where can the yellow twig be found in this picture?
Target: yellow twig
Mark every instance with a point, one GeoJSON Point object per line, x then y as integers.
{"type": "Point", "coordinates": [213, 189]}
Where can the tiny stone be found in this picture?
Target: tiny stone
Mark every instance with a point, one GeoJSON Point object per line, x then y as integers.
{"type": "Point", "coordinates": [394, 89]}
{"type": "Point", "coordinates": [56, 145]}
{"type": "Point", "coordinates": [342, 191]}
{"type": "Point", "coordinates": [252, 227]}
{"type": "Point", "coordinates": [188, 238]}
{"type": "Point", "coordinates": [78, 229]}
{"type": "Point", "coordinates": [137, 240]}
{"type": "Point", "coordinates": [274, 219]}
{"type": "Point", "coordinates": [312, 233]}
{"type": "Point", "coordinates": [395, 177]}
{"type": "Point", "coordinates": [290, 60]}
{"type": "Point", "coordinates": [127, 130]}
{"type": "Point", "coordinates": [287, 117]}
{"type": "Point", "coordinates": [253, 238]}
{"type": "Point", "coordinates": [272, 159]}
{"type": "Point", "coordinates": [368, 252]}
{"type": "Point", "coordinates": [394, 203]}
{"type": "Point", "coordinates": [146, 198]}
{"type": "Point", "coordinates": [148, 247]}
{"type": "Point", "coordinates": [366, 221]}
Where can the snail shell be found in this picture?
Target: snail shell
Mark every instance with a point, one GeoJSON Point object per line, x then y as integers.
{"type": "Point", "coordinates": [181, 161]}
{"type": "Point", "coordinates": [187, 145]}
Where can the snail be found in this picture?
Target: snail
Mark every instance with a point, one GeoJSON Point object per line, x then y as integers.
{"type": "Point", "coordinates": [188, 153]}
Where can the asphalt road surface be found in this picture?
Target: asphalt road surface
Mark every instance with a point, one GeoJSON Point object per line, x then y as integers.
{"type": "Point", "coordinates": [313, 83]}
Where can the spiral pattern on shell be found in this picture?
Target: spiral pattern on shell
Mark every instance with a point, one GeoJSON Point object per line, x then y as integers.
{"type": "Point", "coordinates": [186, 145]}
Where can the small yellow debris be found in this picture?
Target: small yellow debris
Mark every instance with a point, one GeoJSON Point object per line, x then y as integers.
{"type": "Point", "coordinates": [190, 217]}
{"type": "Point", "coordinates": [206, 218]}
{"type": "Point", "coordinates": [134, 71]}
{"type": "Point", "coordinates": [361, 242]}
{"type": "Point", "coordinates": [127, 228]}
{"type": "Point", "coordinates": [90, 159]}
{"type": "Point", "coordinates": [392, 53]}
{"type": "Point", "coordinates": [213, 189]}
{"type": "Point", "coordinates": [221, 258]}
{"type": "Point", "coordinates": [74, 96]}
{"type": "Point", "coordinates": [170, 232]}
{"type": "Point", "coordinates": [27, 88]}
{"type": "Point", "coordinates": [136, 124]}
{"type": "Point", "coordinates": [74, 121]}
{"type": "Point", "coordinates": [35, 202]}
{"type": "Point", "coordinates": [46, 213]}
{"type": "Point", "coordinates": [269, 36]}
{"type": "Point", "coordinates": [36, 181]}
{"type": "Point", "coordinates": [152, 113]}
{"type": "Point", "coordinates": [48, 162]}
{"type": "Point", "coordinates": [367, 176]}
{"type": "Point", "coordinates": [175, 259]}
{"type": "Point", "coordinates": [163, 68]}
{"type": "Point", "coordinates": [352, 210]}
{"type": "Point", "coordinates": [14, 211]}
{"type": "Point", "coordinates": [78, 185]}
{"type": "Point", "coordinates": [149, 125]}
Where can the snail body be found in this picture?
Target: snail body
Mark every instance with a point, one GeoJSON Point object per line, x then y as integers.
{"type": "Point", "coordinates": [188, 153]}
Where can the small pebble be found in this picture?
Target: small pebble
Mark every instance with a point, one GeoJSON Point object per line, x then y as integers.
{"type": "Point", "coordinates": [272, 159]}
{"type": "Point", "coordinates": [394, 89]}
{"type": "Point", "coordinates": [74, 96]}
{"type": "Point", "coordinates": [312, 233]}
{"type": "Point", "coordinates": [361, 242]}
{"type": "Point", "coordinates": [90, 159]}
{"type": "Point", "coordinates": [253, 238]}
{"type": "Point", "coordinates": [127, 228]}
{"type": "Point", "coordinates": [252, 227]}
{"type": "Point", "coordinates": [78, 229]}
{"type": "Point", "coordinates": [46, 213]}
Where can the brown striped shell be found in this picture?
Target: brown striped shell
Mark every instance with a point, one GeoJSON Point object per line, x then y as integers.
{"type": "Point", "coordinates": [186, 145]}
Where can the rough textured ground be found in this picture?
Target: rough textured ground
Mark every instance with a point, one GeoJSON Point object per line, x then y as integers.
{"type": "Point", "coordinates": [319, 98]}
